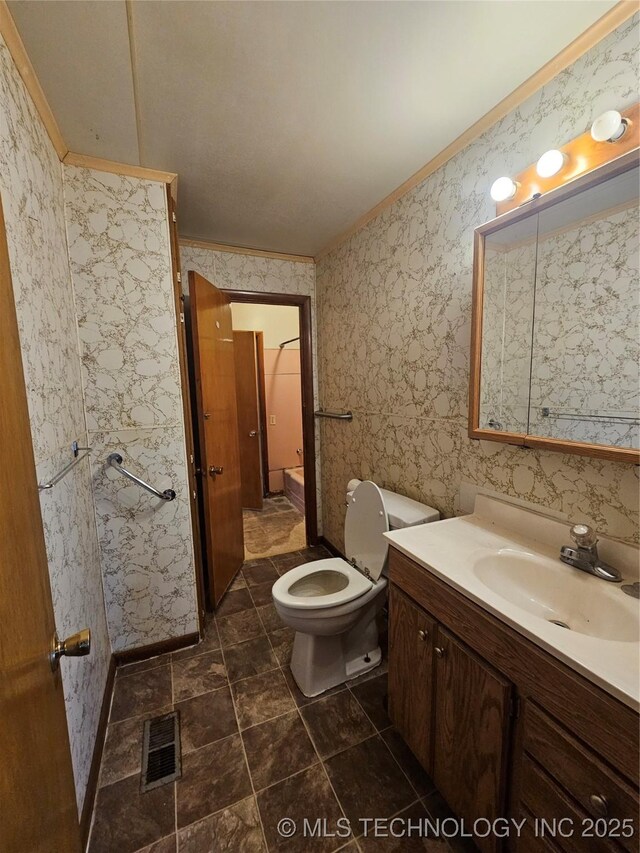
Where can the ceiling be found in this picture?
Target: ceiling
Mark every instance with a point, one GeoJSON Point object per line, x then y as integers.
{"type": "Point", "coordinates": [286, 121]}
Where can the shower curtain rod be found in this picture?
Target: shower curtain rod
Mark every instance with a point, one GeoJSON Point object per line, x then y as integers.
{"type": "Point", "coordinates": [290, 341]}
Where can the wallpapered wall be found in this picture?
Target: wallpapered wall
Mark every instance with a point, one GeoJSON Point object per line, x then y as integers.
{"type": "Point", "coordinates": [32, 196]}
{"type": "Point", "coordinates": [121, 268]}
{"type": "Point", "coordinates": [394, 313]}
{"type": "Point", "coordinates": [233, 271]}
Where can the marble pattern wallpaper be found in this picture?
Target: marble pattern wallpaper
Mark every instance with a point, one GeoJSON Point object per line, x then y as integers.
{"type": "Point", "coordinates": [394, 315]}
{"type": "Point", "coordinates": [121, 268]}
{"type": "Point", "coordinates": [235, 271]}
{"type": "Point", "coordinates": [31, 185]}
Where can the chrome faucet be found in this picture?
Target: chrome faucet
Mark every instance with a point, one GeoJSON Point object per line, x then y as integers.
{"type": "Point", "coordinates": [585, 556]}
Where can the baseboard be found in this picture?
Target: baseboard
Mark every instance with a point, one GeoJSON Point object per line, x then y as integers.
{"type": "Point", "coordinates": [330, 547]}
{"type": "Point", "coordinates": [94, 772]}
{"type": "Point", "coordinates": [155, 649]}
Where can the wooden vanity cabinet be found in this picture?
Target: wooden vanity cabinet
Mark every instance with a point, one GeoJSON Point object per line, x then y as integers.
{"type": "Point", "coordinates": [505, 729]}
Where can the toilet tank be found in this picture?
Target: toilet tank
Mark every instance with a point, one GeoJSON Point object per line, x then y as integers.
{"type": "Point", "coordinates": [401, 511]}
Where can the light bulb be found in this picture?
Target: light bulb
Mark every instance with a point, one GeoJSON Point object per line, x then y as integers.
{"type": "Point", "coordinates": [609, 127]}
{"type": "Point", "coordinates": [503, 189]}
{"type": "Point", "coordinates": [550, 163]}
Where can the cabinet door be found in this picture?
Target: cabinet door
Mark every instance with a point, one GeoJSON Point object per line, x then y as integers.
{"type": "Point", "coordinates": [473, 706]}
{"type": "Point", "coordinates": [411, 636]}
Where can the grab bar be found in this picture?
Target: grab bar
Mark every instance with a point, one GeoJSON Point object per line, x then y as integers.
{"type": "Point", "coordinates": [339, 416]}
{"type": "Point", "coordinates": [115, 460]}
{"type": "Point", "coordinates": [63, 473]}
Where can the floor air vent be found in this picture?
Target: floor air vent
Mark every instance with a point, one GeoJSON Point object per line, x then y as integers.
{"type": "Point", "coordinates": [161, 751]}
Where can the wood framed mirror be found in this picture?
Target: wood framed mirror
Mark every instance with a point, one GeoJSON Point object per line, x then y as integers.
{"type": "Point", "coordinates": [555, 346]}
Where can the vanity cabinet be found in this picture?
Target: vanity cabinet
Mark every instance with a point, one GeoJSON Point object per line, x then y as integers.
{"type": "Point", "coordinates": [505, 729]}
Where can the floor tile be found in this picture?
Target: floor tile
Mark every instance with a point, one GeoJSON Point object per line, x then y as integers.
{"type": "Point", "coordinates": [261, 697]}
{"type": "Point", "coordinates": [233, 830]}
{"type": "Point", "coordinates": [284, 562]}
{"type": "Point", "coordinates": [208, 643]}
{"type": "Point", "coordinates": [318, 553]}
{"type": "Point", "coordinates": [262, 594]}
{"type": "Point", "coordinates": [306, 795]}
{"type": "Point", "coordinates": [367, 676]}
{"type": "Point", "coordinates": [282, 642]}
{"type": "Point", "coordinates": [412, 768]}
{"type": "Point", "coordinates": [197, 675]}
{"type": "Point", "coordinates": [122, 753]}
{"type": "Point", "coordinates": [269, 618]}
{"type": "Point", "coordinates": [142, 665]}
{"type": "Point", "coordinates": [368, 782]}
{"type": "Point", "coordinates": [165, 845]}
{"type": "Point", "coordinates": [238, 582]}
{"type": "Point", "coordinates": [372, 695]}
{"type": "Point", "coordinates": [277, 749]}
{"type": "Point", "coordinates": [126, 820]}
{"type": "Point", "coordinates": [439, 810]}
{"type": "Point", "coordinates": [206, 718]}
{"type": "Point", "coordinates": [408, 834]}
{"type": "Point", "coordinates": [141, 693]}
{"type": "Point", "coordinates": [262, 572]}
{"type": "Point", "coordinates": [298, 696]}
{"type": "Point", "coordinates": [336, 722]}
{"type": "Point", "coordinates": [213, 778]}
{"type": "Point", "coordinates": [241, 626]}
{"type": "Point", "coordinates": [250, 658]}
{"type": "Point", "coordinates": [234, 601]}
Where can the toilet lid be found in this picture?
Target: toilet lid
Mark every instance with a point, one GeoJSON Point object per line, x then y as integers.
{"type": "Point", "coordinates": [366, 522]}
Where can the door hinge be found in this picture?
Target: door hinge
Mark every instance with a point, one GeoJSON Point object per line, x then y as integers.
{"type": "Point", "coordinates": [173, 216]}
{"type": "Point", "coordinates": [181, 317]}
{"type": "Point", "coordinates": [191, 458]}
{"type": "Point", "coordinates": [194, 494]}
{"type": "Point", "coordinates": [515, 706]}
{"type": "Point", "coordinates": [179, 277]}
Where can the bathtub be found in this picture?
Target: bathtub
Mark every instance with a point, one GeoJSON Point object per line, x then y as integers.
{"type": "Point", "coordinates": [294, 487]}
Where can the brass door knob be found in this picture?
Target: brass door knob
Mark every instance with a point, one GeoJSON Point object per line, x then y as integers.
{"type": "Point", "coordinates": [215, 469]}
{"type": "Point", "coordinates": [599, 804]}
{"type": "Point", "coordinates": [77, 645]}
{"type": "Point", "coordinates": [253, 433]}
{"type": "Point", "coordinates": [423, 635]}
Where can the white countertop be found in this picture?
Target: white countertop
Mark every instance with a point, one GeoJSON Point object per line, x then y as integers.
{"type": "Point", "coordinates": [450, 549]}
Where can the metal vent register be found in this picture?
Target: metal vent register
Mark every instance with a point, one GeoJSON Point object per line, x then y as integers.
{"type": "Point", "coordinates": [161, 751]}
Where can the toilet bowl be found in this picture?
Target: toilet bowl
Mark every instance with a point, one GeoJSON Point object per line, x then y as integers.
{"type": "Point", "coordinates": [332, 604]}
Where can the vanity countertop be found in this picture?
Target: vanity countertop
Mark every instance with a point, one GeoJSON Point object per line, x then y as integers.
{"type": "Point", "coordinates": [505, 559]}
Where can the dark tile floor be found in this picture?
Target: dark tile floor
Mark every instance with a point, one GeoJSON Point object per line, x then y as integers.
{"type": "Point", "coordinates": [254, 749]}
{"type": "Point", "coordinates": [278, 528]}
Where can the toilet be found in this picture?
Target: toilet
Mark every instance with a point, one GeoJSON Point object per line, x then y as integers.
{"type": "Point", "coordinates": [332, 604]}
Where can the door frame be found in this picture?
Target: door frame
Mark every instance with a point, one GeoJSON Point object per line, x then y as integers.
{"type": "Point", "coordinates": [303, 304]}
{"type": "Point", "coordinates": [262, 412]}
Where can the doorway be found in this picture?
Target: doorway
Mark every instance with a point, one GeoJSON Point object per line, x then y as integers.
{"type": "Point", "coordinates": [274, 390]}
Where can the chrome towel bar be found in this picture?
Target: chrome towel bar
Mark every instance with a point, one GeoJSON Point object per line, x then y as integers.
{"type": "Point", "coordinates": [578, 416]}
{"type": "Point", "coordinates": [115, 460]}
{"type": "Point", "coordinates": [63, 473]}
{"type": "Point", "coordinates": [339, 416]}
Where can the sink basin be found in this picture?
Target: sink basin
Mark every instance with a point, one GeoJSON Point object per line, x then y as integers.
{"type": "Point", "coordinates": [561, 595]}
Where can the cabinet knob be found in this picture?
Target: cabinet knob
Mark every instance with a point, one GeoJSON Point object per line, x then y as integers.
{"type": "Point", "coordinates": [423, 634]}
{"type": "Point", "coordinates": [439, 652]}
{"type": "Point", "coordinates": [599, 804]}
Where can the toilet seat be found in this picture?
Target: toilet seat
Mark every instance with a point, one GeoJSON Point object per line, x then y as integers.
{"type": "Point", "coordinates": [300, 588]}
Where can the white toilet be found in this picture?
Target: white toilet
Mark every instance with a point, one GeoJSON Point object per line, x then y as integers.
{"type": "Point", "coordinates": [332, 604]}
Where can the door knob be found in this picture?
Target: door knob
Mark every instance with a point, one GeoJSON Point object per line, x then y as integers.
{"type": "Point", "coordinates": [439, 652]}
{"type": "Point", "coordinates": [599, 804]}
{"type": "Point", "coordinates": [253, 433]}
{"type": "Point", "coordinates": [215, 469]}
{"type": "Point", "coordinates": [423, 634]}
{"type": "Point", "coordinates": [77, 645]}
{"type": "Point", "coordinates": [206, 416]}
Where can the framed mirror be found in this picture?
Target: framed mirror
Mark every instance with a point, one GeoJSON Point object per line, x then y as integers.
{"type": "Point", "coordinates": [555, 351]}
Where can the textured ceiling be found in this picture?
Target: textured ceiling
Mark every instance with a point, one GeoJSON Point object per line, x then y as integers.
{"type": "Point", "coordinates": [285, 121]}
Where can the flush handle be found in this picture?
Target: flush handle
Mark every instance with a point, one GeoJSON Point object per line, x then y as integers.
{"type": "Point", "coordinates": [599, 804]}
{"type": "Point", "coordinates": [423, 634]}
{"type": "Point", "coordinates": [77, 645]}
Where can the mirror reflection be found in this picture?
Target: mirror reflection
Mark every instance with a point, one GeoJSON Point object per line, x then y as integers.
{"type": "Point", "coordinates": [561, 319]}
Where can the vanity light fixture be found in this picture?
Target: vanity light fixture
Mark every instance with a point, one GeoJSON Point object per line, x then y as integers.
{"type": "Point", "coordinates": [550, 163]}
{"type": "Point", "coordinates": [503, 189]}
{"type": "Point", "coordinates": [609, 127]}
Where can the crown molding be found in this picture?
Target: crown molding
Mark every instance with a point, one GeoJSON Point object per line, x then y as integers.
{"type": "Point", "coordinates": [244, 250]}
{"type": "Point", "coordinates": [612, 19]}
{"type": "Point", "coordinates": [16, 48]}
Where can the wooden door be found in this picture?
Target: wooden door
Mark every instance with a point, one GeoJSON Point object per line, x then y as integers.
{"type": "Point", "coordinates": [215, 377]}
{"type": "Point", "coordinates": [246, 359]}
{"type": "Point", "coordinates": [38, 811]}
{"type": "Point", "coordinates": [473, 708]}
{"type": "Point", "coordinates": [411, 671]}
